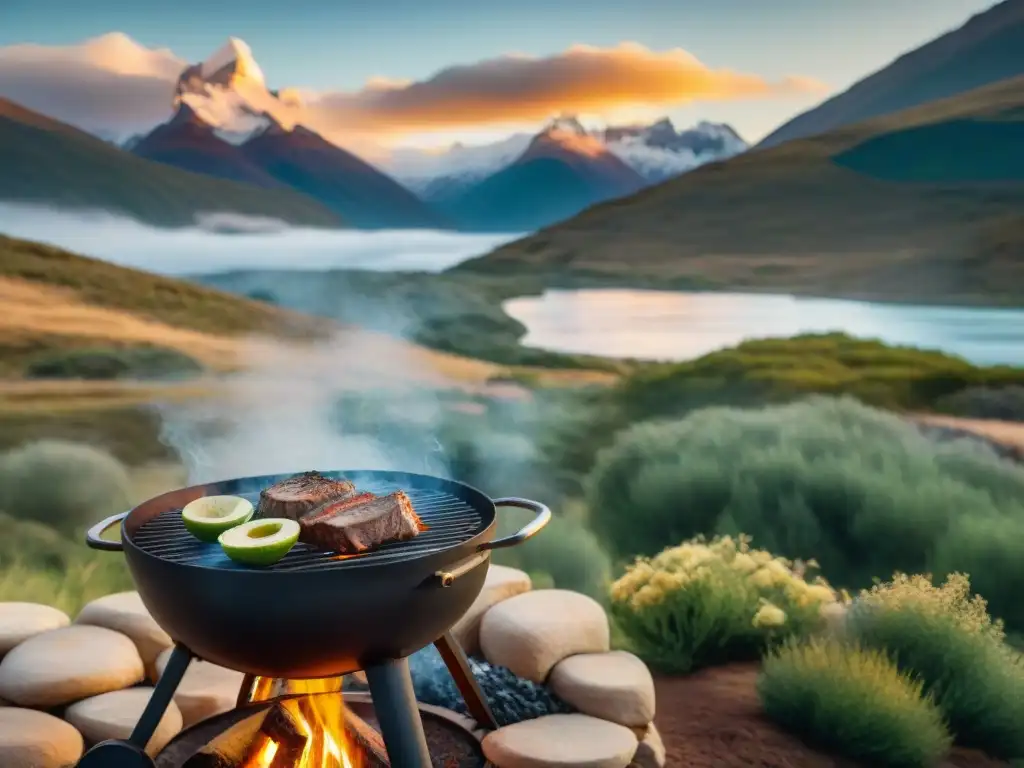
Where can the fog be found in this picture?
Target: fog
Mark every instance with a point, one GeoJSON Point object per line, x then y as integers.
{"type": "Point", "coordinates": [221, 242]}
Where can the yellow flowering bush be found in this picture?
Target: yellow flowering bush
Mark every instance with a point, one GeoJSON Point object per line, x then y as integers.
{"type": "Point", "coordinates": [853, 702]}
{"type": "Point", "coordinates": [944, 637]}
{"type": "Point", "coordinates": [710, 602]}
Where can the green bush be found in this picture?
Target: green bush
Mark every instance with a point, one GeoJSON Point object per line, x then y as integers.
{"type": "Point", "coordinates": [857, 488]}
{"type": "Point", "coordinates": [40, 565]}
{"type": "Point", "coordinates": [705, 603]}
{"type": "Point", "coordinates": [64, 485]}
{"type": "Point", "coordinates": [113, 363]}
{"type": "Point", "coordinates": [564, 554]}
{"type": "Point", "coordinates": [853, 702]}
{"type": "Point", "coordinates": [945, 640]}
{"type": "Point", "coordinates": [781, 370]}
{"type": "Point", "coordinates": [1004, 403]}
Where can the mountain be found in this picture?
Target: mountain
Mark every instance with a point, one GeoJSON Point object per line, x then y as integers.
{"type": "Point", "coordinates": [563, 171]}
{"type": "Point", "coordinates": [188, 142]}
{"type": "Point", "coordinates": [48, 162]}
{"type": "Point", "coordinates": [985, 50]}
{"type": "Point", "coordinates": [656, 151]}
{"type": "Point", "coordinates": [925, 204]}
{"type": "Point", "coordinates": [305, 161]}
{"type": "Point", "coordinates": [228, 124]}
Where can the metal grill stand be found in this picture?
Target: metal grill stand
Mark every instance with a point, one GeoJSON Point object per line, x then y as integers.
{"type": "Point", "coordinates": [391, 689]}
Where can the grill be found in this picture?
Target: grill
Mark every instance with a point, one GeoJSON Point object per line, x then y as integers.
{"type": "Point", "coordinates": [315, 613]}
{"type": "Point", "coordinates": [451, 521]}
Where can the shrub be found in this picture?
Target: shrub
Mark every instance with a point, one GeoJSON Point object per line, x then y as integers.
{"type": "Point", "coordinates": [856, 487]}
{"type": "Point", "coordinates": [705, 603]}
{"type": "Point", "coordinates": [1004, 403]}
{"type": "Point", "coordinates": [65, 485]}
{"type": "Point", "coordinates": [37, 564]}
{"type": "Point", "coordinates": [113, 363]}
{"type": "Point", "coordinates": [854, 702]}
{"type": "Point", "coordinates": [781, 370]}
{"type": "Point", "coordinates": [945, 639]}
{"type": "Point", "coordinates": [565, 554]}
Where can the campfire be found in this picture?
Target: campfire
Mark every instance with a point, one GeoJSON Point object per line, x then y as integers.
{"type": "Point", "coordinates": [312, 731]}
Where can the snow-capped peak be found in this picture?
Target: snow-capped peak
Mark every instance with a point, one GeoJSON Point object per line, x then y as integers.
{"type": "Point", "coordinates": [567, 124]}
{"type": "Point", "coordinates": [234, 59]}
{"type": "Point", "coordinates": [228, 92]}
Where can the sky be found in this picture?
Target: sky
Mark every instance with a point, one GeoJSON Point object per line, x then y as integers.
{"type": "Point", "coordinates": [751, 63]}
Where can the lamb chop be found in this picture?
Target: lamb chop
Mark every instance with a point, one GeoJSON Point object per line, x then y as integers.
{"type": "Point", "coordinates": [351, 527]}
{"type": "Point", "coordinates": [298, 495]}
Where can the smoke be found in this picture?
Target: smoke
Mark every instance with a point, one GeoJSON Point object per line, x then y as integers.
{"type": "Point", "coordinates": [283, 412]}
{"type": "Point", "coordinates": [222, 242]}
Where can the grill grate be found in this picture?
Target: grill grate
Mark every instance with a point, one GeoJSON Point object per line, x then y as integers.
{"type": "Point", "coordinates": [451, 522]}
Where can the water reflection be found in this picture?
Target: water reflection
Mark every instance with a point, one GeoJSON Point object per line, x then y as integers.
{"type": "Point", "coordinates": [667, 325]}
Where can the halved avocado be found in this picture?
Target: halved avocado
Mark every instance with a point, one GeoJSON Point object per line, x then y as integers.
{"type": "Point", "coordinates": [208, 517]}
{"type": "Point", "coordinates": [260, 542]}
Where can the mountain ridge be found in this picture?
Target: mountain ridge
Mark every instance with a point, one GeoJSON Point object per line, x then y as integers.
{"type": "Point", "coordinates": [985, 49]}
{"type": "Point", "coordinates": [52, 163]}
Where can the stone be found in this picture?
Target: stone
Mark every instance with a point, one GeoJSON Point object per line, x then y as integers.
{"type": "Point", "coordinates": [650, 752]}
{"type": "Point", "coordinates": [614, 686]}
{"type": "Point", "coordinates": [124, 612]}
{"type": "Point", "coordinates": [114, 715]}
{"type": "Point", "coordinates": [532, 632]}
{"type": "Point", "coordinates": [64, 665]}
{"type": "Point", "coordinates": [31, 739]}
{"type": "Point", "coordinates": [205, 690]}
{"type": "Point", "coordinates": [501, 584]}
{"type": "Point", "coordinates": [567, 741]}
{"type": "Point", "coordinates": [20, 621]}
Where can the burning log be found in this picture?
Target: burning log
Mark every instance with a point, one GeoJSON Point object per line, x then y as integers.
{"type": "Point", "coordinates": [297, 733]}
{"type": "Point", "coordinates": [280, 729]}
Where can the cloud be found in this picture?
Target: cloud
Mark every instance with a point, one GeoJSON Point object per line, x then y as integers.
{"type": "Point", "coordinates": [109, 84]}
{"type": "Point", "coordinates": [517, 89]}
{"type": "Point", "coordinates": [112, 84]}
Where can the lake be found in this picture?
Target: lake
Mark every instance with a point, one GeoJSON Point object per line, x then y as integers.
{"type": "Point", "coordinates": [669, 325]}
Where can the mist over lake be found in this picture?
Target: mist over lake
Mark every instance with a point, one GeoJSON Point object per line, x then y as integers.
{"type": "Point", "coordinates": [252, 243]}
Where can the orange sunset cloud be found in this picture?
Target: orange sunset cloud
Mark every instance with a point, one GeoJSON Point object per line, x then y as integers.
{"type": "Point", "coordinates": [518, 89]}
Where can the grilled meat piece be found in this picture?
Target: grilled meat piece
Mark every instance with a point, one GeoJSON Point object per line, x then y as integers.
{"type": "Point", "coordinates": [352, 528]}
{"type": "Point", "coordinates": [295, 497]}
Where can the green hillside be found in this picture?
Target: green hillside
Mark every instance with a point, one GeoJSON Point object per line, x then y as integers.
{"type": "Point", "coordinates": [861, 211]}
{"type": "Point", "coordinates": [47, 162]}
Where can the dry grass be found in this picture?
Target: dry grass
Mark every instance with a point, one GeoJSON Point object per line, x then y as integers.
{"type": "Point", "coordinates": [1009, 433]}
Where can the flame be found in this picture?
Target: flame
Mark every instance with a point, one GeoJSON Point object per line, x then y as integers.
{"type": "Point", "coordinates": [321, 719]}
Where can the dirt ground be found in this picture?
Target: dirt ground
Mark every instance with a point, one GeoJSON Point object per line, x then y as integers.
{"type": "Point", "coordinates": [713, 719]}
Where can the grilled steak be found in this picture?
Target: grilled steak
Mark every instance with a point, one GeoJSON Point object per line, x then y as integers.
{"type": "Point", "coordinates": [351, 528]}
{"type": "Point", "coordinates": [295, 497]}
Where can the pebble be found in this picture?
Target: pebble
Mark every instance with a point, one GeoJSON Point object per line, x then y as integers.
{"type": "Point", "coordinates": [114, 715]}
{"type": "Point", "coordinates": [20, 621]}
{"type": "Point", "coordinates": [205, 690]}
{"type": "Point", "coordinates": [124, 612]}
{"type": "Point", "coordinates": [501, 584]}
{"type": "Point", "coordinates": [64, 665]}
{"type": "Point", "coordinates": [614, 686]}
{"type": "Point", "coordinates": [532, 632]}
{"type": "Point", "coordinates": [566, 741]}
{"type": "Point", "coordinates": [31, 739]}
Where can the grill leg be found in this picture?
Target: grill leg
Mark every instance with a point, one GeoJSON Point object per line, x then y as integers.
{"type": "Point", "coordinates": [394, 703]}
{"type": "Point", "coordinates": [161, 696]}
{"type": "Point", "coordinates": [458, 664]}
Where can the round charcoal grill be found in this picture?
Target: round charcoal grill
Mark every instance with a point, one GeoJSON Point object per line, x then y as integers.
{"type": "Point", "coordinates": [451, 521]}
{"type": "Point", "coordinates": [316, 613]}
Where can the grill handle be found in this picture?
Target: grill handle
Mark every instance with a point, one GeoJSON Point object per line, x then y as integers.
{"type": "Point", "coordinates": [94, 536]}
{"type": "Point", "coordinates": [524, 533]}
